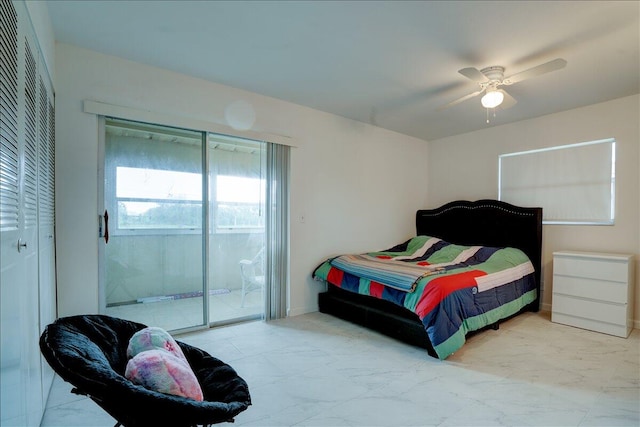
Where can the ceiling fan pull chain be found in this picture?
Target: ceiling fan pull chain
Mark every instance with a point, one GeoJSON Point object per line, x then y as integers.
{"type": "Point", "coordinates": [494, 114]}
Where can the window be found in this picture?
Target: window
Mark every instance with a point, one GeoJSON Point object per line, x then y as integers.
{"type": "Point", "coordinates": [239, 202]}
{"type": "Point", "coordinates": [154, 179]}
{"type": "Point", "coordinates": [158, 199]}
{"type": "Point", "coordinates": [574, 184]}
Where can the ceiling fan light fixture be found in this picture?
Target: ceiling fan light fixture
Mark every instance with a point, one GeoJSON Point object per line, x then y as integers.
{"type": "Point", "coordinates": [492, 99]}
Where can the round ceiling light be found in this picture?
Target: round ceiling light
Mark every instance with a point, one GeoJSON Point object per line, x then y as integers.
{"type": "Point", "coordinates": [492, 99]}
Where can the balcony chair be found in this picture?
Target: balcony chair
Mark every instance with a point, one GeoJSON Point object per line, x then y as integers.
{"type": "Point", "coordinates": [252, 274]}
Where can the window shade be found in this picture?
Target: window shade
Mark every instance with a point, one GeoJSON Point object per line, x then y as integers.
{"type": "Point", "coordinates": [574, 184]}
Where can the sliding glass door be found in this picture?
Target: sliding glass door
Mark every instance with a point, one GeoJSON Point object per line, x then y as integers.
{"type": "Point", "coordinates": [184, 227]}
{"type": "Point", "coordinates": [236, 228]}
{"type": "Point", "coordinates": [154, 250]}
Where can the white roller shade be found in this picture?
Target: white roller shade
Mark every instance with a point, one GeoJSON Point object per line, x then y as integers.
{"type": "Point", "coordinates": [574, 184]}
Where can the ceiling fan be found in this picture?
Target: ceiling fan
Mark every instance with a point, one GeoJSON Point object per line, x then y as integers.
{"type": "Point", "coordinates": [490, 80]}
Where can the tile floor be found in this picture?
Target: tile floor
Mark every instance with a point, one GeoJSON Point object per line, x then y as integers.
{"type": "Point", "coordinates": [317, 370]}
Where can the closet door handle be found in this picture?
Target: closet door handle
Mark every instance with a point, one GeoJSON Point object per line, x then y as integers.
{"type": "Point", "coordinates": [106, 227]}
{"type": "Point", "coordinates": [21, 245]}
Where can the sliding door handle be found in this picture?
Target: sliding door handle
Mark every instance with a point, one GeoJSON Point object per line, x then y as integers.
{"type": "Point", "coordinates": [106, 226]}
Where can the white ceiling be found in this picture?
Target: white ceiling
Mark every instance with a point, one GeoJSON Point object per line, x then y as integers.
{"type": "Point", "coordinates": [391, 63]}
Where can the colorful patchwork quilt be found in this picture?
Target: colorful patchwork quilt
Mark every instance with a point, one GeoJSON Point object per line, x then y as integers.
{"type": "Point", "coordinates": [453, 289]}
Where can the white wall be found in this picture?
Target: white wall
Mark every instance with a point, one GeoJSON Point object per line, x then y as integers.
{"type": "Point", "coordinates": [466, 167]}
{"type": "Point", "coordinates": [357, 186]}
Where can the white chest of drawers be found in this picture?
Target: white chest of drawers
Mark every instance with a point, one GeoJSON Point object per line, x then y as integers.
{"type": "Point", "coordinates": [593, 291]}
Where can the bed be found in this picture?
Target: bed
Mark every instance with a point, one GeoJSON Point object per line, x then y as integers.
{"type": "Point", "coordinates": [481, 227]}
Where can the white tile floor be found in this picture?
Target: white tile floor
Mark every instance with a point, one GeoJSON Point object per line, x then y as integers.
{"type": "Point", "coordinates": [316, 370]}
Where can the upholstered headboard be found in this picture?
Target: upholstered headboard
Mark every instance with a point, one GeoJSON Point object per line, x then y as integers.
{"type": "Point", "coordinates": [487, 223]}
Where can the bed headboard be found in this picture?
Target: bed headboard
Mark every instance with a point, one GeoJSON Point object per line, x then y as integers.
{"type": "Point", "coordinates": [487, 223]}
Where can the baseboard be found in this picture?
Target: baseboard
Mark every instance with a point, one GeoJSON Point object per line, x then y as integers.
{"type": "Point", "coordinates": [300, 311]}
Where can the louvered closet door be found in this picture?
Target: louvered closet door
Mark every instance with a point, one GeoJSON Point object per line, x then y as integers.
{"type": "Point", "coordinates": [46, 220]}
{"type": "Point", "coordinates": [24, 128]}
{"type": "Point", "coordinates": [13, 404]}
{"type": "Point", "coordinates": [32, 368]}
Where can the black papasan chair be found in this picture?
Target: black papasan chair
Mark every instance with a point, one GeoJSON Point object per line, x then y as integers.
{"type": "Point", "coordinates": [90, 352]}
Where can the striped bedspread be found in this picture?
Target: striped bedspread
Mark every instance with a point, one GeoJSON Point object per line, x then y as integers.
{"type": "Point", "coordinates": [453, 289]}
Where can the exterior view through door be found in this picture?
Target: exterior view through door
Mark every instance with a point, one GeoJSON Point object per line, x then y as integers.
{"type": "Point", "coordinates": [186, 226]}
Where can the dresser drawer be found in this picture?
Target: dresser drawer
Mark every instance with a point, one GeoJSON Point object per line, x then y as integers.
{"type": "Point", "coordinates": [592, 268]}
{"type": "Point", "coordinates": [594, 310]}
{"type": "Point", "coordinates": [600, 290]}
{"type": "Point", "coordinates": [592, 325]}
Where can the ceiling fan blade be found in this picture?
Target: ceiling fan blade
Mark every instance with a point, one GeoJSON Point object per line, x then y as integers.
{"type": "Point", "coordinates": [547, 67]}
{"type": "Point", "coordinates": [459, 100]}
{"type": "Point", "coordinates": [473, 74]}
{"type": "Point", "coordinates": [508, 101]}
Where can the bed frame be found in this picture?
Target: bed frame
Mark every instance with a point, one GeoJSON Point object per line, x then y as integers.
{"type": "Point", "coordinates": [483, 222]}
